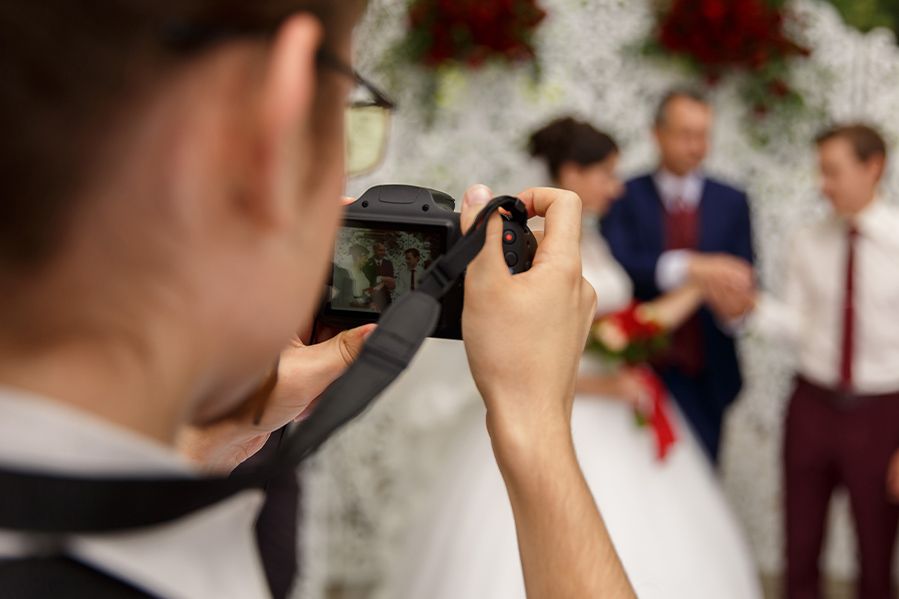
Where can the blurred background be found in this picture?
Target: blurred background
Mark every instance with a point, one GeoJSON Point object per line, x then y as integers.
{"type": "Point", "coordinates": [464, 115]}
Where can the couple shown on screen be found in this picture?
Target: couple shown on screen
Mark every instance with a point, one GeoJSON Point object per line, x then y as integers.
{"type": "Point", "coordinates": [371, 282]}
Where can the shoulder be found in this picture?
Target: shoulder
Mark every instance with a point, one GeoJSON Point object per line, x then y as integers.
{"type": "Point", "coordinates": [725, 191]}
{"type": "Point", "coordinates": [889, 212]}
{"type": "Point", "coordinates": [640, 183]}
{"type": "Point", "coordinates": [807, 236]}
{"type": "Point", "coordinates": [637, 189]}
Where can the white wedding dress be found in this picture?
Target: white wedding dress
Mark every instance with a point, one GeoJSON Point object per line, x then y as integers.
{"type": "Point", "coordinates": [669, 520]}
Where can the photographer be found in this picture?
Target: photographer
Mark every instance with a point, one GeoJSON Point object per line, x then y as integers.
{"type": "Point", "coordinates": [169, 205]}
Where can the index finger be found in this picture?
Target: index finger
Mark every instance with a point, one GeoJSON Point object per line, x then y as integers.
{"type": "Point", "coordinates": [562, 211]}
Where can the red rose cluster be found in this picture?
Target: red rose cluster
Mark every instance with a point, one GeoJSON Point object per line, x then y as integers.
{"type": "Point", "coordinates": [473, 32]}
{"type": "Point", "coordinates": [636, 325]}
{"type": "Point", "coordinates": [719, 34]}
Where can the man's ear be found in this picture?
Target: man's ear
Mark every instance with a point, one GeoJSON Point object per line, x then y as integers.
{"type": "Point", "coordinates": [287, 105]}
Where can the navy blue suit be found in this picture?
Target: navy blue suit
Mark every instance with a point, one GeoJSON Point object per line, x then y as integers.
{"type": "Point", "coordinates": [635, 231]}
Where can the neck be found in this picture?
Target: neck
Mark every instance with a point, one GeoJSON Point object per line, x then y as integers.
{"type": "Point", "coordinates": [871, 198]}
{"type": "Point", "coordinates": [127, 388]}
{"type": "Point", "coordinates": [675, 172]}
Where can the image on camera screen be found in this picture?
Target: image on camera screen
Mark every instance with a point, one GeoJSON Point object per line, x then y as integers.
{"type": "Point", "coordinates": [375, 266]}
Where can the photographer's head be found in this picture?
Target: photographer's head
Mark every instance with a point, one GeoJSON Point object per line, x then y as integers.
{"type": "Point", "coordinates": [173, 174]}
{"type": "Point", "coordinates": [580, 159]}
{"type": "Point", "coordinates": [852, 160]}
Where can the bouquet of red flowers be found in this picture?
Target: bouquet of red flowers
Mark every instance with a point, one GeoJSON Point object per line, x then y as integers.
{"type": "Point", "coordinates": [633, 337]}
{"type": "Point", "coordinates": [472, 32]}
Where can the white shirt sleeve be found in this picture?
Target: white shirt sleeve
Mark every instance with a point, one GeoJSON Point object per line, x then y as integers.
{"type": "Point", "coordinates": [672, 270]}
{"type": "Point", "coordinates": [781, 319]}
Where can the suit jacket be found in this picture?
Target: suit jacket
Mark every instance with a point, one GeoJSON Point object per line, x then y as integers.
{"type": "Point", "coordinates": [635, 231]}
{"type": "Point", "coordinates": [372, 270]}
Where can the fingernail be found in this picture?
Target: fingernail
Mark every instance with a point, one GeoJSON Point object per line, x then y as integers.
{"type": "Point", "coordinates": [478, 195]}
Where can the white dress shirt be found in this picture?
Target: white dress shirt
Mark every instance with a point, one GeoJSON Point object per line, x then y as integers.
{"type": "Point", "coordinates": [810, 315]}
{"type": "Point", "coordinates": [404, 280]}
{"type": "Point", "coordinates": [671, 270]}
{"type": "Point", "coordinates": [211, 553]}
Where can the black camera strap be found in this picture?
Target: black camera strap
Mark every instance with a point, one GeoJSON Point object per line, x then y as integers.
{"type": "Point", "coordinates": [59, 504]}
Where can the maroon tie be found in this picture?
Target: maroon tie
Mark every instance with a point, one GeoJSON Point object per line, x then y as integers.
{"type": "Point", "coordinates": [413, 279]}
{"type": "Point", "coordinates": [848, 347]}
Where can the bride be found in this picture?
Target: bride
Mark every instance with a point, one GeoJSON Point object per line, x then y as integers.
{"type": "Point", "coordinates": [669, 520]}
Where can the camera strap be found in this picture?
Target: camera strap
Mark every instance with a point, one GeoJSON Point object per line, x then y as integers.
{"type": "Point", "coordinates": [58, 504]}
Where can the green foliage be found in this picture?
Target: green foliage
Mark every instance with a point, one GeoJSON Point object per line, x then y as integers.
{"type": "Point", "coordinates": [869, 14]}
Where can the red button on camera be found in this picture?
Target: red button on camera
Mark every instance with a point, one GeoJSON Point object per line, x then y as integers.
{"type": "Point", "coordinates": [509, 237]}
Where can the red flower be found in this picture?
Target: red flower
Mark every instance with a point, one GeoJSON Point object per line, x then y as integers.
{"type": "Point", "coordinates": [473, 31]}
{"type": "Point", "coordinates": [733, 33]}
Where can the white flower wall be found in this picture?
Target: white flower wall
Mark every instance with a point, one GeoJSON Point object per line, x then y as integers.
{"type": "Point", "coordinates": [368, 482]}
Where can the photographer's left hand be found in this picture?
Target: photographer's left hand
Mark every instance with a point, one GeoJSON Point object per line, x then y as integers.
{"type": "Point", "coordinates": [304, 372]}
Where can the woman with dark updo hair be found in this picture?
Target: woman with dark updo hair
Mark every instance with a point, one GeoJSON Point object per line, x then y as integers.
{"type": "Point", "coordinates": [669, 520]}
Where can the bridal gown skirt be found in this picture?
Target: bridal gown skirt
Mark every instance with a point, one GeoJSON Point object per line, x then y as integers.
{"type": "Point", "coordinates": [669, 521]}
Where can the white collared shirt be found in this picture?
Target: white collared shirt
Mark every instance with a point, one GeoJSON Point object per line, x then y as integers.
{"type": "Point", "coordinates": [676, 191]}
{"type": "Point", "coordinates": [810, 314]}
{"type": "Point", "coordinates": [211, 553]}
{"type": "Point", "coordinates": [404, 280]}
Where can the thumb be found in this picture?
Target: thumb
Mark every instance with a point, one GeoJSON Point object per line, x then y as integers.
{"type": "Point", "coordinates": [490, 261]}
{"type": "Point", "coordinates": [474, 201]}
{"type": "Point", "coordinates": [348, 344]}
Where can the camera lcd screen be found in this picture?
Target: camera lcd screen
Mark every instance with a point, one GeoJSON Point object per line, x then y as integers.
{"type": "Point", "coordinates": [375, 264]}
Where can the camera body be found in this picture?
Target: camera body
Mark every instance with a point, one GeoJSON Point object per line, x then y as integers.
{"type": "Point", "coordinates": [389, 239]}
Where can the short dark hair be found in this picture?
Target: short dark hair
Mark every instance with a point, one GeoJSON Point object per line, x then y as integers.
{"type": "Point", "coordinates": [569, 140]}
{"type": "Point", "coordinates": [866, 141]}
{"type": "Point", "coordinates": [414, 252]}
{"type": "Point", "coordinates": [678, 93]}
{"type": "Point", "coordinates": [55, 106]}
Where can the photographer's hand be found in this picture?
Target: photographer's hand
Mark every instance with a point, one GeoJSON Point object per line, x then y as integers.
{"type": "Point", "coordinates": [524, 336]}
{"type": "Point", "coordinates": [304, 372]}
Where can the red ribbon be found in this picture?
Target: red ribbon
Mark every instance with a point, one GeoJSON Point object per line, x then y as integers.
{"type": "Point", "coordinates": [658, 418]}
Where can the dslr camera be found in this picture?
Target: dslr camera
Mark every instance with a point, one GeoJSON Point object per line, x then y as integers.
{"type": "Point", "coordinates": [389, 239]}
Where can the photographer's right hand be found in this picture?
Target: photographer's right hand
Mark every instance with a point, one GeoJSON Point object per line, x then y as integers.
{"type": "Point", "coordinates": [524, 334]}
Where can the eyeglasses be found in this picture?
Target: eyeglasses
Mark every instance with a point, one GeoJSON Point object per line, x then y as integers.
{"type": "Point", "coordinates": [368, 113]}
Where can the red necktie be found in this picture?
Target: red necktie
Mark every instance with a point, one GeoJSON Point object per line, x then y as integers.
{"type": "Point", "coordinates": [413, 279]}
{"type": "Point", "coordinates": [848, 348]}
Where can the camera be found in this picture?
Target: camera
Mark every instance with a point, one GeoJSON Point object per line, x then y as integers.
{"type": "Point", "coordinates": [390, 237]}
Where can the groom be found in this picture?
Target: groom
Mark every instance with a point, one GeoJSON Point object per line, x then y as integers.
{"type": "Point", "coordinates": [674, 227]}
